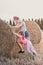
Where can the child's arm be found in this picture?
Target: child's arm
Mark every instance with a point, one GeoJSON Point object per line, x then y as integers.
{"type": "Point", "coordinates": [18, 26]}
{"type": "Point", "coordinates": [17, 34]}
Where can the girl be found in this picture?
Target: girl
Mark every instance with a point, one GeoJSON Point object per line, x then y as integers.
{"type": "Point", "coordinates": [26, 41]}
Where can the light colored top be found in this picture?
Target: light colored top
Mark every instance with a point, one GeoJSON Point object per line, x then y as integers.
{"type": "Point", "coordinates": [23, 27]}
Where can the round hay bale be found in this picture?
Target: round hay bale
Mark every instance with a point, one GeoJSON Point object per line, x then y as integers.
{"type": "Point", "coordinates": [34, 29]}
{"type": "Point", "coordinates": [7, 39]}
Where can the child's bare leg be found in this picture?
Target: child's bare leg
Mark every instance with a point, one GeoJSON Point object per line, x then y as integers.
{"type": "Point", "coordinates": [20, 46]}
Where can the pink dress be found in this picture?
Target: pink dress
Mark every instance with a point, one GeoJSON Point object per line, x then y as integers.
{"type": "Point", "coordinates": [21, 40]}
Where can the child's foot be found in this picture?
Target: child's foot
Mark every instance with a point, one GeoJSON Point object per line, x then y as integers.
{"type": "Point", "coordinates": [21, 51]}
{"type": "Point", "coordinates": [34, 54]}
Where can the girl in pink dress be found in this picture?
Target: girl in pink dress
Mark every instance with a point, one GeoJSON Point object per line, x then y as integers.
{"type": "Point", "coordinates": [27, 42]}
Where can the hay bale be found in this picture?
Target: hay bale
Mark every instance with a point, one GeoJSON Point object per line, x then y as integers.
{"type": "Point", "coordinates": [6, 39]}
{"type": "Point", "coordinates": [34, 29]}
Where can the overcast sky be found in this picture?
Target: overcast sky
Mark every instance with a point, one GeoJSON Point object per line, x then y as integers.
{"type": "Point", "coordinates": [21, 8]}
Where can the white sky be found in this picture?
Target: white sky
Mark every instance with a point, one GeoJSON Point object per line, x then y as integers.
{"type": "Point", "coordinates": [21, 8]}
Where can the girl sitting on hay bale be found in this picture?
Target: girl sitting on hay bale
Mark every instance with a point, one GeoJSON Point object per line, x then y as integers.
{"type": "Point", "coordinates": [25, 41]}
